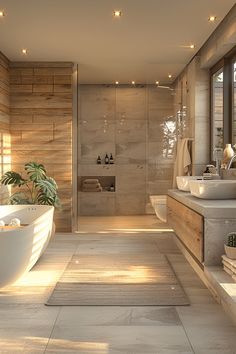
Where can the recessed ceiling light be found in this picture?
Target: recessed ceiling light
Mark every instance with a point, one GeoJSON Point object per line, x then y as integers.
{"type": "Point", "coordinates": [169, 76]}
{"type": "Point", "coordinates": [117, 13]}
{"type": "Point", "coordinates": [133, 82]}
{"type": "Point", "coordinates": [117, 82]}
{"type": "Point", "coordinates": [157, 82]}
{"type": "Point", "coordinates": [2, 13]}
{"type": "Point", "coordinates": [24, 51]}
{"type": "Point", "coordinates": [192, 46]}
{"type": "Point", "coordinates": [211, 18]}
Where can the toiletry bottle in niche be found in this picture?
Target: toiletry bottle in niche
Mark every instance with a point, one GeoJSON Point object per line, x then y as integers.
{"type": "Point", "coordinates": [99, 160]}
{"type": "Point", "coordinates": [106, 160]}
{"type": "Point", "coordinates": [112, 188]}
{"type": "Point", "coordinates": [111, 160]}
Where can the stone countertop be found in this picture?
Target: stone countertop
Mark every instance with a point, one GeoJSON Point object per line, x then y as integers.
{"type": "Point", "coordinates": [211, 209]}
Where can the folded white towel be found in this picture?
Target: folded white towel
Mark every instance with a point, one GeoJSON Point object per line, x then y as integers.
{"type": "Point", "coordinates": [91, 185]}
{"type": "Point", "coordinates": [92, 190]}
{"type": "Point", "coordinates": [91, 181]}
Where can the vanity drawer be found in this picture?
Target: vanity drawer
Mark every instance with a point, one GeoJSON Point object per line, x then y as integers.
{"type": "Point", "coordinates": [188, 226]}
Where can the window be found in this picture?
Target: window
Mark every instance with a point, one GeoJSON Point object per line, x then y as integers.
{"type": "Point", "coordinates": [223, 102]}
{"type": "Point", "coordinates": [217, 109]}
{"type": "Point", "coordinates": [234, 105]}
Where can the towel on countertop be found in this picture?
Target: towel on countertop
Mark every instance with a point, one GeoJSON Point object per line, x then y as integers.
{"type": "Point", "coordinates": [182, 160]}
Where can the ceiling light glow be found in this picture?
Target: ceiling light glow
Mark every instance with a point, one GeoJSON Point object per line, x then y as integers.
{"type": "Point", "coordinates": [117, 13]}
{"type": "Point", "coordinates": [24, 51]}
{"type": "Point", "coordinates": [192, 46]}
{"type": "Point", "coordinates": [133, 82]}
{"type": "Point", "coordinates": [169, 76]}
{"type": "Point", "coordinates": [157, 82]}
{"type": "Point", "coordinates": [117, 82]}
{"type": "Point", "coordinates": [211, 18]}
{"type": "Point", "coordinates": [2, 13]}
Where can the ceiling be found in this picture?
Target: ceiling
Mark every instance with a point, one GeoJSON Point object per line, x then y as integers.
{"type": "Point", "coordinates": [146, 44]}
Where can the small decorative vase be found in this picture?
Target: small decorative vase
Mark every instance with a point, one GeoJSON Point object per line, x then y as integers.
{"type": "Point", "coordinates": [228, 152]}
{"type": "Point", "coordinates": [230, 252]}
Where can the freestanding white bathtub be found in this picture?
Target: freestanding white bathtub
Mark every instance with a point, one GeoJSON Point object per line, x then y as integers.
{"type": "Point", "coordinates": [20, 248]}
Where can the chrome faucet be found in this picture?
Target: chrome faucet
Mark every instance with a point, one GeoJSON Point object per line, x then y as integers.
{"type": "Point", "coordinates": [230, 162]}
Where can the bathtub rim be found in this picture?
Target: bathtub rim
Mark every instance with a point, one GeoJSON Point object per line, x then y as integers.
{"type": "Point", "coordinates": [21, 229]}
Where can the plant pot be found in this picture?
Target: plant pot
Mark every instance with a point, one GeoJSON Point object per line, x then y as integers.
{"type": "Point", "coordinates": [230, 252]}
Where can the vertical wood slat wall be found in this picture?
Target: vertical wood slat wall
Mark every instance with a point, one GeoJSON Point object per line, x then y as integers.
{"type": "Point", "coordinates": [41, 125]}
{"type": "Point", "coordinates": [4, 123]}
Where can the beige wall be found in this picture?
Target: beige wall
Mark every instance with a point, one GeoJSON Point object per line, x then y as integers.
{"type": "Point", "coordinates": [220, 42]}
{"type": "Point", "coordinates": [192, 103]}
{"type": "Point", "coordinates": [41, 123]}
{"type": "Point", "coordinates": [193, 89]}
{"type": "Point", "coordinates": [128, 122]}
{"type": "Point", "coordinates": [4, 123]}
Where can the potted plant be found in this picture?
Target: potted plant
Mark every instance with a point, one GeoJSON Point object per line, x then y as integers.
{"type": "Point", "coordinates": [230, 246]}
{"type": "Point", "coordinates": [36, 188]}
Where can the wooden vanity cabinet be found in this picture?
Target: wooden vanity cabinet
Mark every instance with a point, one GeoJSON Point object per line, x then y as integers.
{"type": "Point", "coordinates": [188, 226]}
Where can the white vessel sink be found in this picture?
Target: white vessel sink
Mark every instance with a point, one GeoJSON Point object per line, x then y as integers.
{"type": "Point", "coordinates": [183, 182]}
{"type": "Point", "coordinates": [213, 189]}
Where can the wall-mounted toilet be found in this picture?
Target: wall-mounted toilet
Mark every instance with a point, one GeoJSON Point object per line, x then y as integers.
{"type": "Point", "coordinates": [159, 203]}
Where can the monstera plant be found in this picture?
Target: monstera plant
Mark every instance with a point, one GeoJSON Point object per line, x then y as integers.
{"type": "Point", "coordinates": [35, 188]}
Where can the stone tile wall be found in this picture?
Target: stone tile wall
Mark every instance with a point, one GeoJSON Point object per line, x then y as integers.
{"type": "Point", "coordinates": [129, 122]}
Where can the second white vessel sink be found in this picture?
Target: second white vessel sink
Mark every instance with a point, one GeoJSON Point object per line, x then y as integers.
{"type": "Point", "coordinates": [183, 182]}
{"type": "Point", "coordinates": [213, 189]}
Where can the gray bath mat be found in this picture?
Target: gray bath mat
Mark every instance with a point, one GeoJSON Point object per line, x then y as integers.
{"type": "Point", "coordinates": [118, 280]}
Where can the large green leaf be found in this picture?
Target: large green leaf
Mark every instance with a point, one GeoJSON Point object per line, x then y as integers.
{"type": "Point", "coordinates": [48, 187]}
{"type": "Point", "coordinates": [35, 171]}
{"type": "Point", "coordinates": [19, 198]}
{"type": "Point", "coordinates": [13, 178]}
{"type": "Point", "coordinates": [45, 199]}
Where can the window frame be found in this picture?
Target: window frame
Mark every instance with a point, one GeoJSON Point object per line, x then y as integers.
{"type": "Point", "coordinates": [225, 63]}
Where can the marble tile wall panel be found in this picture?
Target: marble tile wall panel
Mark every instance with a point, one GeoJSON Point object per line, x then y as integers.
{"type": "Point", "coordinates": [138, 138]}
{"type": "Point", "coordinates": [131, 102]}
{"type": "Point", "coordinates": [90, 152]}
{"type": "Point", "coordinates": [159, 177]}
{"type": "Point", "coordinates": [158, 152]}
{"type": "Point", "coordinates": [130, 203]}
{"type": "Point", "coordinates": [97, 102]}
{"type": "Point", "coordinates": [159, 188]}
{"type": "Point", "coordinates": [95, 131]}
{"type": "Point", "coordinates": [97, 170]}
{"type": "Point", "coordinates": [97, 203]}
{"type": "Point", "coordinates": [131, 178]}
{"type": "Point", "coordinates": [160, 129]}
{"type": "Point", "coordinates": [160, 102]}
{"type": "Point", "coordinates": [129, 131]}
{"type": "Point", "coordinates": [131, 153]}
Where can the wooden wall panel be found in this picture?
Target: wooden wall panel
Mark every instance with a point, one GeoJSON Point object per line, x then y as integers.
{"type": "Point", "coordinates": [41, 125]}
{"type": "Point", "coordinates": [5, 143]}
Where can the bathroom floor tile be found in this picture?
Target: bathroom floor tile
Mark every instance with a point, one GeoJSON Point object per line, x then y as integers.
{"type": "Point", "coordinates": [212, 339]}
{"type": "Point", "coordinates": [120, 339]}
{"type": "Point", "coordinates": [27, 326]}
{"type": "Point", "coordinates": [94, 316]}
{"type": "Point", "coordinates": [203, 315]}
